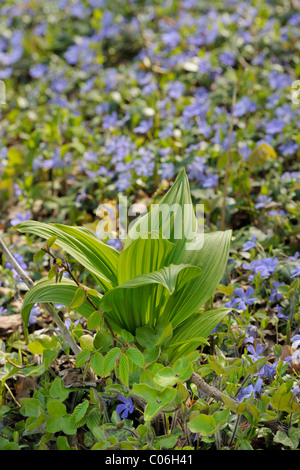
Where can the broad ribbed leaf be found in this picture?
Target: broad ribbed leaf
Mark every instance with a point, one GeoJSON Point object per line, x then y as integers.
{"type": "Point", "coordinates": [174, 217]}
{"type": "Point", "coordinates": [140, 301]}
{"type": "Point", "coordinates": [97, 257]}
{"type": "Point", "coordinates": [143, 256]}
{"type": "Point", "coordinates": [48, 291]}
{"type": "Point", "coordinates": [189, 335]}
{"type": "Point", "coordinates": [212, 258]}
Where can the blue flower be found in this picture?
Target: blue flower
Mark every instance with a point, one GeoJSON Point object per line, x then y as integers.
{"type": "Point", "coordinates": [250, 390]}
{"type": "Point", "coordinates": [38, 70]}
{"type": "Point", "coordinates": [143, 127]}
{"type": "Point", "coordinates": [264, 267]}
{"type": "Point", "coordinates": [243, 106]}
{"type": "Point", "coordinates": [19, 217]}
{"type": "Point", "coordinates": [242, 298]}
{"type": "Point", "coordinates": [288, 148]}
{"type": "Point", "coordinates": [227, 58]}
{"type": "Point", "coordinates": [262, 201]}
{"type": "Point", "coordinates": [249, 244]}
{"type": "Point", "coordinates": [2, 310]}
{"type": "Point", "coordinates": [275, 126]}
{"type": "Point", "coordinates": [34, 314]}
{"type": "Point", "coordinates": [126, 408]}
{"type": "Point", "coordinates": [275, 295]}
{"type": "Point", "coordinates": [166, 171]}
{"type": "Point", "coordinates": [281, 315]}
{"type": "Point", "coordinates": [295, 272]}
{"type": "Point", "coordinates": [115, 243]}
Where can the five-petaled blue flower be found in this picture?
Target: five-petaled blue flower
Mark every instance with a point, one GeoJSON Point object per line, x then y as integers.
{"type": "Point", "coordinates": [242, 298]}
{"type": "Point", "coordinates": [126, 408]}
{"type": "Point", "coordinates": [250, 390]}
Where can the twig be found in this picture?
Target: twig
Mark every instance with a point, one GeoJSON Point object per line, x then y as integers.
{"type": "Point", "coordinates": [210, 390]}
{"type": "Point", "coordinates": [50, 309]}
{"type": "Point", "coordinates": [67, 268]}
{"type": "Point", "coordinates": [12, 395]}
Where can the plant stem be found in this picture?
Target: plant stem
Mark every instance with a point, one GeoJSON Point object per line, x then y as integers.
{"type": "Point", "coordinates": [67, 268]}
{"type": "Point", "coordinates": [50, 309]}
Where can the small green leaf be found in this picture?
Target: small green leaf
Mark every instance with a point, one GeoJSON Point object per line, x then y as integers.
{"type": "Point", "coordinates": [82, 357]}
{"type": "Point", "coordinates": [110, 360]}
{"type": "Point", "coordinates": [124, 369]}
{"type": "Point", "coordinates": [38, 255]}
{"type": "Point", "coordinates": [87, 342]}
{"type": "Point", "coordinates": [78, 298]}
{"type": "Point", "coordinates": [136, 356]}
{"type": "Point", "coordinates": [80, 411]}
{"type": "Point", "coordinates": [94, 321]}
{"type": "Point", "coordinates": [52, 272]}
{"type": "Point", "coordinates": [128, 337]}
{"type": "Point", "coordinates": [50, 242]}
{"type": "Point", "coordinates": [56, 409]}
{"type": "Point", "coordinates": [97, 364]}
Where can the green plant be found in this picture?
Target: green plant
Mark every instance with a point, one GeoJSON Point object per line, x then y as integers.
{"type": "Point", "coordinates": [144, 288]}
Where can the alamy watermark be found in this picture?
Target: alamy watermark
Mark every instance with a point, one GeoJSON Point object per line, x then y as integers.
{"type": "Point", "coordinates": [296, 92]}
{"type": "Point", "coordinates": [2, 92]}
{"type": "Point", "coordinates": [174, 221]}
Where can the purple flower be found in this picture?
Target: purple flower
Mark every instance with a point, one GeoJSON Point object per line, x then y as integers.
{"type": "Point", "coordinates": [176, 89]}
{"type": "Point", "coordinates": [274, 213]}
{"type": "Point", "coordinates": [19, 217]}
{"type": "Point", "coordinates": [6, 73]}
{"type": "Point", "coordinates": [242, 298]}
{"type": "Point", "coordinates": [264, 267]}
{"type": "Point", "coordinates": [167, 171]}
{"type": "Point", "coordinates": [210, 181]}
{"type": "Point", "coordinates": [59, 85]}
{"type": "Point", "coordinates": [243, 106]}
{"type": "Point", "coordinates": [20, 260]}
{"type": "Point", "coordinates": [38, 70]}
{"type": "Point", "coordinates": [126, 408]}
{"type": "Point", "coordinates": [115, 243]}
{"type": "Point", "coordinates": [275, 295]}
{"type": "Point", "coordinates": [250, 390]}
{"type": "Point", "coordinates": [279, 80]}
{"type": "Point", "coordinates": [124, 181]}
{"type": "Point", "coordinates": [275, 126]}
{"type": "Point", "coordinates": [296, 341]}
{"type": "Point", "coordinates": [289, 148]}
{"type": "Point", "coordinates": [295, 272]}
{"type": "Point", "coordinates": [249, 244]}
{"type": "Point", "coordinates": [281, 315]}
{"type": "Point", "coordinates": [69, 323]}
{"type": "Point", "coordinates": [196, 169]}
{"type": "Point", "coordinates": [34, 314]}
{"type": "Point", "coordinates": [226, 58]}
{"type": "Point", "coordinates": [143, 127]}
{"type": "Point", "coordinates": [2, 310]}
{"type": "Point", "coordinates": [263, 201]}
{"type": "Point", "coordinates": [255, 353]}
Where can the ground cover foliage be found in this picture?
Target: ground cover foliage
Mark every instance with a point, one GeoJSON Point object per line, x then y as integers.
{"type": "Point", "coordinates": [111, 343]}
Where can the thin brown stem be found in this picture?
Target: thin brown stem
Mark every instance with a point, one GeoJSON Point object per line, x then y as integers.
{"type": "Point", "coordinates": [50, 309]}
{"type": "Point", "coordinates": [67, 268]}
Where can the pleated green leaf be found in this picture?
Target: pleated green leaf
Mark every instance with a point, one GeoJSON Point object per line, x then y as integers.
{"type": "Point", "coordinates": [190, 334]}
{"type": "Point", "coordinates": [173, 217]}
{"type": "Point", "coordinates": [98, 258]}
{"type": "Point", "coordinates": [48, 291]}
{"type": "Point", "coordinates": [140, 301]}
{"type": "Point", "coordinates": [142, 256]}
{"type": "Point", "coordinates": [212, 258]}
